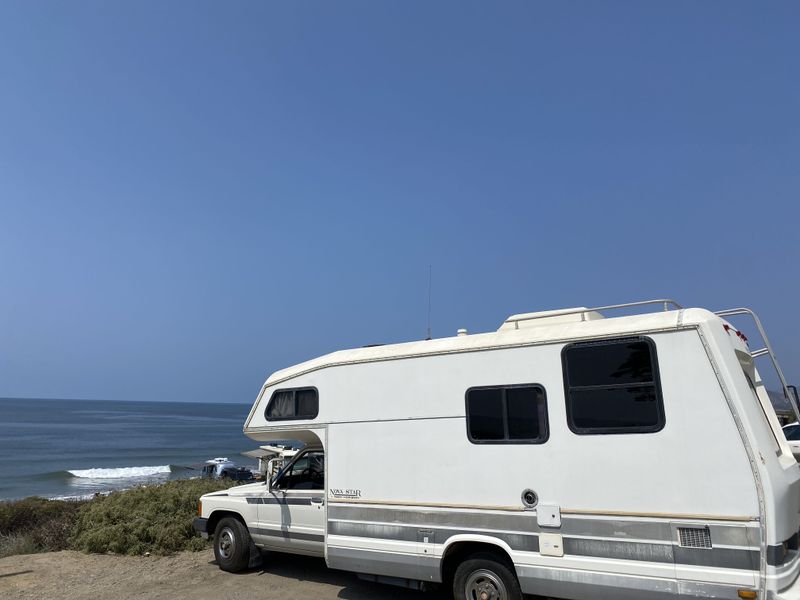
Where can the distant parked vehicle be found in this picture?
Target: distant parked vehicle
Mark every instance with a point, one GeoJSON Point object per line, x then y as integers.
{"type": "Point", "coordinates": [792, 433]}
{"type": "Point", "coordinates": [213, 468]}
{"type": "Point", "coordinates": [236, 474]}
{"type": "Point", "coordinates": [222, 468]}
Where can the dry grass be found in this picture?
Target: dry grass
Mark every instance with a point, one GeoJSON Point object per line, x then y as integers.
{"type": "Point", "coordinates": [36, 525]}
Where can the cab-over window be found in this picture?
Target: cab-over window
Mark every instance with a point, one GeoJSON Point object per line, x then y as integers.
{"type": "Point", "coordinates": [296, 403]}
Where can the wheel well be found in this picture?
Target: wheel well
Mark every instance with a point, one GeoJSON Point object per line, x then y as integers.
{"type": "Point", "coordinates": [216, 516]}
{"type": "Point", "coordinates": [459, 551]}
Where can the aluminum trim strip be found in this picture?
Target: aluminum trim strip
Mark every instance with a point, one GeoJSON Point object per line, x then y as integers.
{"type": "Point", "coordinates": [301, 501]}
{"type": "Point", "coordinates": [287, 535]}
{"type": "Point", "coordinates": [658, 551]}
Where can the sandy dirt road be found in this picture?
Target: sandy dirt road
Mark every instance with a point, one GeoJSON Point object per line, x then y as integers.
{"type": "Point", "coordinates": [190, 575]}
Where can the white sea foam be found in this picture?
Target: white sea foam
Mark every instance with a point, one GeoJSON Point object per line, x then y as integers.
{"type": "Point", "coordinates": [120, 473]}
{"type": "Point", "coordinates": [76, 497]}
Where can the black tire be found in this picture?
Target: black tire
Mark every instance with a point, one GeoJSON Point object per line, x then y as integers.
{"type": "Point", "coordinates": [485, 572]}
{"type": "Point", "coordinates": [231, 545]}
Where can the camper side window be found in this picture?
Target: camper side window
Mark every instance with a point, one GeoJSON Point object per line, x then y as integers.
{"type": "Point", "coordinates": [300, 403]}
{"type": "Point", "coordinates": [514, 414]}
{"type": "Point", "coordinates": [612, 386]}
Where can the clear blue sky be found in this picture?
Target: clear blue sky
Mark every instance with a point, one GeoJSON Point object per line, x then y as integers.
{"type": "Point", "coordinates": [194, 194]}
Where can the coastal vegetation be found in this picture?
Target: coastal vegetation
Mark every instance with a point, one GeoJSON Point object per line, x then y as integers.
{"type": "Point", "coordinates": [155, 519]}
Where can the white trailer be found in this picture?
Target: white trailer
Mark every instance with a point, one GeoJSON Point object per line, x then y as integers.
{"type": "Point", "coordinates": [565, 454]}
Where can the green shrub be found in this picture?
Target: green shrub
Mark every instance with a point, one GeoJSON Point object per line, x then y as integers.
{"type": "Point", "coordinates": [155, 519]}
{"type": "Point", "coordinates": [36, 525]}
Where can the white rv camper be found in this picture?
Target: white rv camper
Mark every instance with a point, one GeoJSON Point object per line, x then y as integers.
{"type": "Point", "coordinates": [565, 454]}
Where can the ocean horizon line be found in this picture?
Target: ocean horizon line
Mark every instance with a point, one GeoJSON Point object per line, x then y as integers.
{"type": "Point", "coordinates": [55, 399]}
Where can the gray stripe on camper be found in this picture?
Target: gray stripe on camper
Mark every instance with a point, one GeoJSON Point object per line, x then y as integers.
{"type": "Point", "coordinates": [643, 548]}
{"type": "Point", "coordinates": [726, 558]}
{"type": "Point", "coordinates": [288, 535]}
{"type": "Point", "coordinates": [518, 541]}
{"type": "Point", "coordinates": [303, 500]}
{"type": "Point", "coordinates": [624, 550]}
{"type": "Point", "coordinates": [525, 522]}
{"type": "Point", "coordinates": [575, 583]}
{"type": "Point", "coordinates": [616, 528]}
{"type": "Point", "coordinates": [663, 552]}
{"type": "Point", "coordinates": [652, 531]}
{"type": "Point", "coordinates": [390, 564]}
{"type": "Point", "coordinates": [386, 532]}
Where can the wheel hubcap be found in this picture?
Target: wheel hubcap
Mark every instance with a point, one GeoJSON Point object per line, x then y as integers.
{"type": "Point", "coordinates": [226, 543]}
{"type": "Point", "coordinates": [485, 585]}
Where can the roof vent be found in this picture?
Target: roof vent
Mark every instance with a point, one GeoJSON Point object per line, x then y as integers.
{"type": "Point", "coordinates": [461, 332]}
{"type": "Point", "coordinates": [549, 317]}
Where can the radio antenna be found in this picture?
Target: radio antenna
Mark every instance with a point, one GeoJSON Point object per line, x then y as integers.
{"type": "Point", "coordinates": [430, 284]}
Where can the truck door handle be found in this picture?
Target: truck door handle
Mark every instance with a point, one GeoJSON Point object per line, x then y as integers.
{"type": "Point", "coordinates": [318, 501]}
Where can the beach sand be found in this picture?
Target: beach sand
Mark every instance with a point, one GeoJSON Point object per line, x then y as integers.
{"type": "Point", "coordinates": [72, 575]}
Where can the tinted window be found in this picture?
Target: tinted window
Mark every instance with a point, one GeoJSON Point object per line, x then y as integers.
{"type": "Point", "coordinates": [281, 406]}
{"type": "Point", "coordinates": [507, 414]}
{"type": "Point", "coordinates": [612, 387]}
{"type": "Point", "coordinates": [792, 432]}
{"type": "Point", "coordinates": [301, 403]}
{"type": "Point", "coordinates": [485, 409]}
{"type": "Point", "coordinates": [522, 406]}
{"type": "Point", "coordinates": [610, 364]}
{"type": "Point", "coordinates": [307, 403]}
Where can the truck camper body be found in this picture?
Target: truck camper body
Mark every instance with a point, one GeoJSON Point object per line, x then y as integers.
{"type": "Point", "coordinates": [566, 454]}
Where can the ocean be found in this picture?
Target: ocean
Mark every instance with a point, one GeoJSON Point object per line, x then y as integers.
{"type": "Point", "coordinates": [76, 448]}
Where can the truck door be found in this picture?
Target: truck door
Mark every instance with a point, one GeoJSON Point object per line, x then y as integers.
{"type": "Point", "coordinates": [292, 516]}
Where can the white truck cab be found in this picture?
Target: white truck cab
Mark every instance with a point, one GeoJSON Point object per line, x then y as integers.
{"type": "Point", "coordinates": [566, 454]}
{"type": "Point", "coordinates": [287, 515]}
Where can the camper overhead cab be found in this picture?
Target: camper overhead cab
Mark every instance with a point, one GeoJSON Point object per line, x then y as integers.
{"type": "Point", "coordinates": [572, 453]}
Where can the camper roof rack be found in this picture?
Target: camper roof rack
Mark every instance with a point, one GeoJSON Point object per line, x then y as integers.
{"type": "Point", "coordinates": [665, 302]}
{"type": "Point", "coordinates": [765, 351]}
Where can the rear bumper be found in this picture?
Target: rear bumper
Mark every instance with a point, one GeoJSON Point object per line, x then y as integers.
{"type": "Point", "coordinates": [790, 593]}
{"type": "Point", "coordinates": [200, 525]}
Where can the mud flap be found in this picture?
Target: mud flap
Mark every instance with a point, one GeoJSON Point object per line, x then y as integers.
{"type": "Point", "coordinates": [256, 560]}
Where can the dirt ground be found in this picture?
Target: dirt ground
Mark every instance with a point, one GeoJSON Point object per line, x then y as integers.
{"type": "Point", "coordinates": [191, 575]}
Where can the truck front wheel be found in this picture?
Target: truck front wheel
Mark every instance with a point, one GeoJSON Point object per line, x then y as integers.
{"type": "Point", "coordinates": [231, 545]}
{"type": "Point", "coordinates": [483, 577]}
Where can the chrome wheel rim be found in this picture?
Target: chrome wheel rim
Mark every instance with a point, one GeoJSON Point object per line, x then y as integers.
{"type": "Point", "coordinates": [485, 585]}
{"type": "Point", "coordinates": [226, 543]}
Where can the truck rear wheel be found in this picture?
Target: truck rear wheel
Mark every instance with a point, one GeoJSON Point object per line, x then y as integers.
{"type": "Point", "coordinates": [484, 577]}
{"type": "Point", "coordinates": [231, 545]}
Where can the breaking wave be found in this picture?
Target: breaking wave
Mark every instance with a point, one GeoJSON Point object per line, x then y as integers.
{"type": "Point", "coordinates": [121, 472]}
